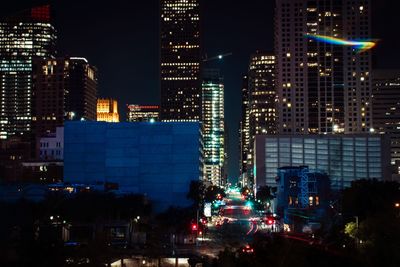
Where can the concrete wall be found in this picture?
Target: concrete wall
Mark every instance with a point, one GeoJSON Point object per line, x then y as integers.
{"type": "Point", "coordinates": [157, 159]}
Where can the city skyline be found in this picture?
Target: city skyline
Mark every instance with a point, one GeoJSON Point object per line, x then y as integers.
{"type": "Point", "coordinates": [136, 82]}
{"type": "Point", "coordinates": [200, 133]}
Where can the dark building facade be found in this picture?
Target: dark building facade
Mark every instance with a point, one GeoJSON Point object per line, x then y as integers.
{"type": "Point", "coordinates": [180, 59]}
{"type": "Point", "coordinates": [49, 87]}
{"type": "Point", "coordinates": [301, 193]}
{"type": "Point", "coordinates": [64, 88]}
{"type": "Point", "coordinates": [386, 111]}
{"type": "Point", "coordinates": [244, 131]}
{"type": "Point", "coordinates": [81, 97]}
{"type": "Point", "coordinates": [23, 36]}
{"type": "Point", "coordinates": [13, 151]}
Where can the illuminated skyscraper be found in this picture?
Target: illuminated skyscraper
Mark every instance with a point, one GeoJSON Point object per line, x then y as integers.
{"type": "Point", "coordinates": [262, 95]}
{"type": "Point", "coordinates": [261, 105]}
{"type": "Point", "coordinates": [244, 131]}
{"type": "Point", "coordinates": [107, 110]}
{"type": "Point", "coordinates": [137, 113]}
{"type": "Point", "coordinates": [180, 60]}
{"type": "Point", "coordinates": [23, 36]}
{"type": "Point", "coordinates": [213, 127]}
{"type": "Point", "coordinates": [322, 87]}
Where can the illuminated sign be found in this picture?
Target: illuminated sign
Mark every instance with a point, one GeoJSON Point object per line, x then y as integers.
{"type": "Point", "coordinates": [137, 107]}
{"type": "Point", "coordinates": [207, 209]}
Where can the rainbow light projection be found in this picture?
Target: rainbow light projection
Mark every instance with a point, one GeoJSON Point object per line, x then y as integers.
{"type": "Point", "coordinates": [360, 46]}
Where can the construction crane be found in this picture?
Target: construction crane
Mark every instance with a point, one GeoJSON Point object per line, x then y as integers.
{"type": "Point", "coordinates": [220, 56]}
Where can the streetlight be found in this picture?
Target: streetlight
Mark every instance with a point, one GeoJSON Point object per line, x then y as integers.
{"type": "Point", "coordinates": [356, 239]}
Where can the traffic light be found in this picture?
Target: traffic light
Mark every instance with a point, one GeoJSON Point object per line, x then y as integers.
{"type": "Point", "coordinates": [249, 204]}
{"type": "Point", "coordinates": [194, 227]}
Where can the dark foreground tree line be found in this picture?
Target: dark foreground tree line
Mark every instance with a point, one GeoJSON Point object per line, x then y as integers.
{"type": "Point", "coordinates": [373, 241]}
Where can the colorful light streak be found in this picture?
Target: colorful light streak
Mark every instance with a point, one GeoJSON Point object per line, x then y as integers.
{"type": "Point", "coordinates": [360, 46]}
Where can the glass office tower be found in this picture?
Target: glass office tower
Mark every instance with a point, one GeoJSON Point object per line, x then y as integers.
{"type": "Point", "coordinates": [23, 36]}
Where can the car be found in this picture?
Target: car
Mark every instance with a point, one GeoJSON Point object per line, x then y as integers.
{"type": "Point", "coordinates": [247, 249]}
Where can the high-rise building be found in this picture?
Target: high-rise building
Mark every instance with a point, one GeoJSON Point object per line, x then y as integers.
{"type": "Point", "coordinates": [344, 157]}
{"type": "Point", "coordinates": [262, 101]}
{"type": "Point", "coordinates": [244, 132]}
{"type": "Point", "coordinates": [81, 98]}
{"type": "Point", "coordinates": [262, 95]}
{"type": "Point", "coordinates": [322, 87]}
{"type": "Point", "coordinates": [63, 88]}
{"type": "Point", "coordinates": [213, 127]}
{"type": "Point", "coordinates": [23, 36]}
{"type": "Point", "coordinates": [138, 113]}
{"type": "Point", "coordinates": [107, 110]}
{"type": "Point", "coordinates": [386, 109]}
{"type": "Point", "coordinates": [180, 60]}
{"type": "Point", "coordinates": [49, 88]}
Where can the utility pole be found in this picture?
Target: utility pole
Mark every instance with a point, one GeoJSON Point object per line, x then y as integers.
{"type": "Point", "coordinates": [356, 239]}
{"type": "Point", "coordinates": [197, 224]}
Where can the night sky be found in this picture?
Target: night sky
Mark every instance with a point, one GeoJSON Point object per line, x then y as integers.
{"type": "Point", "coordinates": [121, 39]}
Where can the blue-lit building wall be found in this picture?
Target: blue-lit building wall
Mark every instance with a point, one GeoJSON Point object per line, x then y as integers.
{"type": "Point", "coordinates": [302, 195]}
{"type": "Point", "coordinates": [156, 159]}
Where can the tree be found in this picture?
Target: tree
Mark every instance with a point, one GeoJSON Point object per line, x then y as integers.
{"type": "Point", "coordinates": [264, 193]}
{"type": "Point", "coordinates": [196, 192]}
{"type": "Point", "coordinates": [213, 193]}
{"type": "Point", "coordinates": [378, 234]}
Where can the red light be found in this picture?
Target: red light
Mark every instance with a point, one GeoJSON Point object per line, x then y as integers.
{"type": "Point", "coordinates": [194, 227]}
{"type": "Point", "coordinates": [270, 221]}
{"type": "Point", "coordinates": [247, 249]}
{"type": "Point", "coordinates": [41, 13]}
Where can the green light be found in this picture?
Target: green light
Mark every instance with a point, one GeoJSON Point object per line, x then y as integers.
{"type": "Point", "coordinates": [249, 204]}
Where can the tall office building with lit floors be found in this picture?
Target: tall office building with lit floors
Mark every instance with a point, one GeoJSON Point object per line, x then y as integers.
{"type": "Point", "coordinates": [213, 127]}
{"type": "Point", "coordinates": [322, 87]}
{"type": "Point", "coordinates": [180, 58]}
{"type": "Point", "coordinates": [23, 36]}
